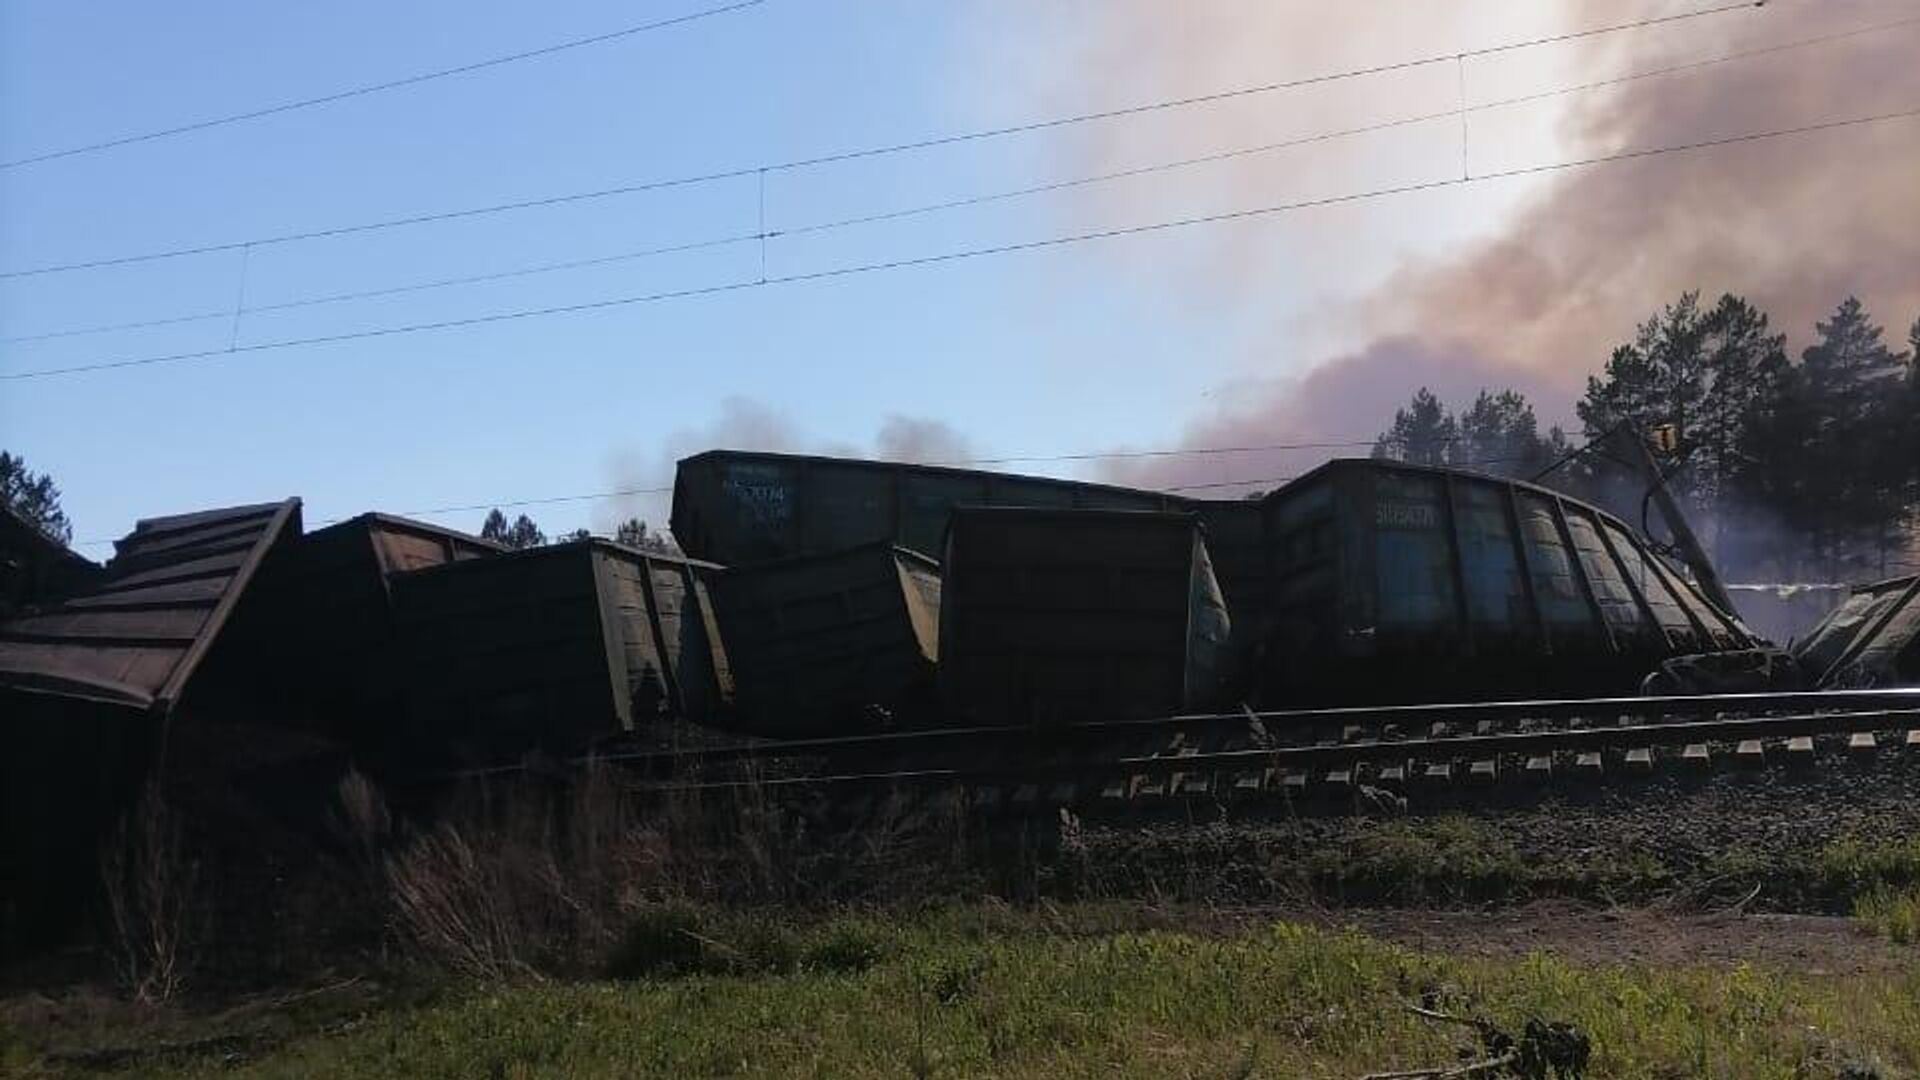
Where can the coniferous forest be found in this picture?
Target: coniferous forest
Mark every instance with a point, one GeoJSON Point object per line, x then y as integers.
{"type": "Point", "coordinates": [1793, 467]}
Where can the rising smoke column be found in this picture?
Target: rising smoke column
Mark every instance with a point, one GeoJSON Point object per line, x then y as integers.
{"type": "Point", "coordinates": [1794, 224]}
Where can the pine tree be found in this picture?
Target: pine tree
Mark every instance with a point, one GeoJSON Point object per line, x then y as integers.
{"type": "Point", "coordinates": [1661, 378]}
{"type": "Point", "coordinates": [33, 496]}
{"type": "Point", "coordinates": [523, 533]}
{"type": "Point", "coordinates": [1746, 368]}
{"type": "Point", "coordinates": [1857, 409]}
{"type": "Point", "coordinates": [1500, 434]}
{"type": "Point", "coordinates": [634, 533]}
{"type": "Point", "coordinates": [1423, 433]}
{"type": "Point", "coordinates": [495, 528]}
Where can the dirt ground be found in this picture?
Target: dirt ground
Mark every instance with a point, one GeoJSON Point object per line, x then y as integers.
{"type": "Point", "coordinates": [1809, 944]}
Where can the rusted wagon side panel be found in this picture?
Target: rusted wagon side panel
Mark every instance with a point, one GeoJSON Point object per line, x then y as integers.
{"type": "Point", "coordinates": [826, 644]}
{"type": "Point", "coordinates": [552, 647]}
{"type": "Point", "coordinates": [737, 507]}
{"type": "Point", "coordinates": [139, 635]}
{"type": "Point", "coordinates": [674, 660]}
{"type": "Point", "coordinates": [1395, 582]}
{"type": "Point", "coordinates": [1051, 616]}
{"type": "Point", "coordinates": [1871, 640]}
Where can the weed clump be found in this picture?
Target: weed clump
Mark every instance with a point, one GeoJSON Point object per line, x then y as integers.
{"type": "Point", "coordinates": [1892, 913]}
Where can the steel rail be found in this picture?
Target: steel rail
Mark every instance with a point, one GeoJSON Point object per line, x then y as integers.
{"type": "Point", "coordinates": [1278, 722]}
{"type": "Point", "coordinates": [1459, 747]}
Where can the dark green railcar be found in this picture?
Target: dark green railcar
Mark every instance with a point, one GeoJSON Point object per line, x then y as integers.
{"type": "Point", "coordinates": [554, 647]}
{"type": "Point", "coordinates": [1052, 616]}
{"type": "Point", "coordinates": [737, 507]}
{"type": "Point", "coordinates": [1394, 582]}
{"type": "Point", "coordinates": [834, 643]}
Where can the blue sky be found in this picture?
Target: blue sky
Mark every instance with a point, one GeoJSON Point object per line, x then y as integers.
{"type": "Point", "coordinates": [1117, 344]}
{"type": "Point", "coordinates": [531, 408]}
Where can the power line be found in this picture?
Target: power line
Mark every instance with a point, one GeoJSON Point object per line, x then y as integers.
{"type": "Point", "coordinates": [971, 253]}
{"type": "Point", "coordinates": [1027, 458]}
{"type": "Point", "coordinates": [1503, 460]}
{"type": "Point", "coordinates": [375, 88]}
{"type": "Point", "coordinates": [395, 290]}
{"type": "Point", "coordinates": [765, 234]}
{"type": "Point", "coordinates": [875, 151]}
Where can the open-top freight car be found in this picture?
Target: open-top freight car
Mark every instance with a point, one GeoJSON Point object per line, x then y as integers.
{"type": "Point", "coordinates": [1871, 640]}
{"type": "Point", "coordinates": [332, 601]}
{"type": "Point", "coordinates": [828, 644]}
{"type": "Point", "coordinates": [738, 507]}
{"type": "Point", "coordinates": [36, 569]}
{"type": "Point", "coordinates": [554, 647]}
{"type": "Point", "coordinates": [1401, 583]}
{"type": "Point", "coordinates": [92, 687]}
{"type": "Point", "coordinates": [1054, 616]}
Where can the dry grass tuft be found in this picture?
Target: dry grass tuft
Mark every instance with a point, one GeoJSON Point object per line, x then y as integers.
{"type": "Point", "coordinates": [150, 887]}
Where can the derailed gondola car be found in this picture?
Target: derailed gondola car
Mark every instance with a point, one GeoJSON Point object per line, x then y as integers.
{"type": "Point", "coordinates": [1871, 640]}
{"type": "Point", "coordinates": [553, 648]}
{"type": "Point", "coordinates": [833, 643]}
{"type": "Point", "coordinates": [1057, 616]}
{"type": "Point", "coordinates": [737, 507]}
{"type": "Point", "coordinates": [1400, 583]}
{"type": "Point", "coordinates": [91, 686]}
{"type": "Point", "coordinates": [331, 601]}
{"type": "Point", "coordinates": [36, 569]}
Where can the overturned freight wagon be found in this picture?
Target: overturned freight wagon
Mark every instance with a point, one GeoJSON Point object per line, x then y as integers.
{"type": "Point", "coordinates": [36, 569]}
{"type": "Point", "coordinates": [737, 507]}
{"type": "Point", "coordinates": [827, 644]}
{"type": "Point", "coordinates": [1871, 640]}
{"type": "Point", "coordinates": [332, 602]}
{"type": "Point", "coordinates": [1056, 616]}
{"type": "Point", "coordinates": [90, 688]}
{"type": "Point", "coordinates": [553, 648]}
{"type": "Point", "coordinates": [1399, 583]}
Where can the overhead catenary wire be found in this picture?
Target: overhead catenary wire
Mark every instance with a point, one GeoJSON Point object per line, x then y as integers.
{"type": "Point", "coordinates": [1104, 455]}
{"type": "Point", "coordinates": [763, 234]}
{"type": "Point", "coordinates": [379, 87]}
{"type": "Point", "coordinates": [940, 258]}
{"type": "Point", "coordinates": [873, 151]}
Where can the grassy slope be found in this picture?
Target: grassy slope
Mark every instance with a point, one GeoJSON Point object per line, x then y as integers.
{"type": "Point", "coordinates": [981, 991]}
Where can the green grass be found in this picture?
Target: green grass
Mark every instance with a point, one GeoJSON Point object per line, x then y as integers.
{"type": "Point", "coordinates": [1892, 913]}
{"type": "Point", "coordinates": [1451, 860]}
{"type": "Point", "coordinates": [987, 991]}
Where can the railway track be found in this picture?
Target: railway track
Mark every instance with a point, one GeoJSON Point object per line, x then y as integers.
{"type": "Point", "coordinates": [1324, 755]}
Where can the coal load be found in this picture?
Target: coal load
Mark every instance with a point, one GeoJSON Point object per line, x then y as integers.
{"type": "Point", "coordinates": [1051, 616]}
{"type": "Point", "coordinates": [833, 643]}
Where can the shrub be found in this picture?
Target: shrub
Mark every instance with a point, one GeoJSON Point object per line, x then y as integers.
{"type": "Point", "coordinates": [1892, 913]}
